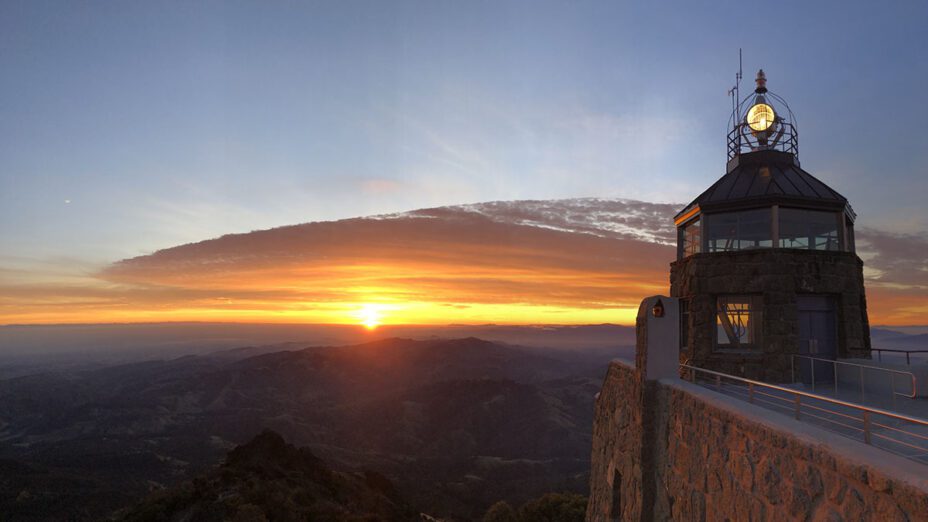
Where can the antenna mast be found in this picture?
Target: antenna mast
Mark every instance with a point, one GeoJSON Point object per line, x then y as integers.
{"type": "Point", "coordinates": [735, 92]}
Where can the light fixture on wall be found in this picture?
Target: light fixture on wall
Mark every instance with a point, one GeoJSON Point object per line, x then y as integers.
{"type": "Point", "coordinates": [658, 310]}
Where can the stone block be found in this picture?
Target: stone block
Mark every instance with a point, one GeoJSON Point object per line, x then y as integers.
{"type": "Point", "coordinates": [744, 472]}
{"type": "Point", "coordinates": [878, 481]}
{"type": "Point", "coordinates": [884, 509]}
{"type": "Point", "coordinates": [809, 479]}
{"type": "Point", "coordinates": [798, 503]}
{"type": "Point", "coordinates": [769, 480]}
{"type": "Point", "coordinates": [854, 507]}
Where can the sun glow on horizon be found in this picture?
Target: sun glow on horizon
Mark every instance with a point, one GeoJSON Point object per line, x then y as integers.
{"type": "Point", "coordinates": [370, 315]}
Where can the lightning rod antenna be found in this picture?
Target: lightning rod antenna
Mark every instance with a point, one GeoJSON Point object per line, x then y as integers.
{"type": "Point", "coordinates": [735, 92]}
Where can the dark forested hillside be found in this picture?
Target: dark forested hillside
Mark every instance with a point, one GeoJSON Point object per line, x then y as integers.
{"type": "Point", "coordinates": [455, 424]}
{"type": "Point", "coordinates": [268, 479]}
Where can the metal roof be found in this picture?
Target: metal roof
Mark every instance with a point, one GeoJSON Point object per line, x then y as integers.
{"type": "Point", "coordinates": [766, 176]}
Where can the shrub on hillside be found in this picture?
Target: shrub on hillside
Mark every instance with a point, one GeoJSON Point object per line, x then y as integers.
{"type": "Point", "coordinates": [551, 507]}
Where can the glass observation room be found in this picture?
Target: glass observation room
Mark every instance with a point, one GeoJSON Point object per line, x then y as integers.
{"type": "Point", "coordinates": [767, 227]}
{"type": "Point", "coordinates": [765, 200]}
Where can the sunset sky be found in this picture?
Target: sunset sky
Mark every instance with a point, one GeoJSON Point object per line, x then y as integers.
{"type": "Point", "coordinates": [130, 128]}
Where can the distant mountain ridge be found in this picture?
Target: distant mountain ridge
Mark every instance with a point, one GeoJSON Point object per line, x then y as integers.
{"type": "Point", "coordinates": [28, 346]}
{"type": "Point", "coordinates": [895, 340]}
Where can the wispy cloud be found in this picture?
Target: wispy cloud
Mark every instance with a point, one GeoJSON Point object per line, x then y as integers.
{"type": "Point", "coordinates": [899, 260]}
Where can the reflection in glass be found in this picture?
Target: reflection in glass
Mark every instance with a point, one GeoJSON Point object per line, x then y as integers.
{"type": "Point", "coordinates": [808, 229]}
{"type": "Point", "coordinates": [742, 230]}
{"type": "Point", "coordinates": [737, 318]}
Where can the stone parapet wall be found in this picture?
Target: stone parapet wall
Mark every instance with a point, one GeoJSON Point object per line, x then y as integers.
{"type": "Point", "coordinates": [618, 433]}
{"type": "Point", "coordinates": [779, 276]}
{"type": "Point", "coordinates": [687, 453]}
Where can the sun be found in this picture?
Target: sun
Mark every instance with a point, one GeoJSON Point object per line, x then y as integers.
{"type": "Point", "coordinates": [369, 316]}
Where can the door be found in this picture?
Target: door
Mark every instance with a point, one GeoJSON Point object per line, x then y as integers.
{"type": "Point", "coordinates": [817, 337]}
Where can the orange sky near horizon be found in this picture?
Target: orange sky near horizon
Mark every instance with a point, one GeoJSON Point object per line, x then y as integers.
{"type": "Point", "coordinates": [432, 268]}
{"type": "Point", "coordinates": [885, 308]}
{"type": "Point", "coordinates": [399, 293]}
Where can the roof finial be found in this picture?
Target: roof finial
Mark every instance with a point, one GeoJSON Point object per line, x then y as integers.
{"type": "Point", "coordinates": [761, 82]}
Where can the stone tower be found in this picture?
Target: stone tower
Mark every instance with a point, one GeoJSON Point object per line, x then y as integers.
{"type": "Point", "coordinates": [766, 264]}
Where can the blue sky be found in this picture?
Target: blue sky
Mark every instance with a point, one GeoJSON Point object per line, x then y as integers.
{"type": "Point", "coordinates": [129, 127]}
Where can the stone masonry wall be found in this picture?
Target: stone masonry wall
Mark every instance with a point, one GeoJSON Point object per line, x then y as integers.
{"type": "Point", "coordinates": [617, 434]}
{"type": "Point", "coordinates": [779, 276]}
{"type": "Point", "coordinates": [712, 457]}
{"type": "Point", "coordinates": [629, 489]}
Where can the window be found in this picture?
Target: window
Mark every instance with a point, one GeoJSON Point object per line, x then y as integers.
{"type": "Point", "coordinates": [738, 320]}
{"type": "Point", "coordinates": [743, 230]}
{"type": "Point", "coordinates": [809, 229]}
{"type": "Point", "coordinates": [692, 238]}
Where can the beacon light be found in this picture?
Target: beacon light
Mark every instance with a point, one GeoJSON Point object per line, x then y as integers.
{"type": "Point", "coordinates": [760, 117]}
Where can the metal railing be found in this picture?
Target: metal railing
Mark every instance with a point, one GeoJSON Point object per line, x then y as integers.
{"type": "Point", "coordinates": [741, 139]}
{"type": "Point", "coordinates": [893, 432]}
{"type": "Point", "coordinates": [861, 368]}
{"type": "Point", "coordinates": [879, 353]}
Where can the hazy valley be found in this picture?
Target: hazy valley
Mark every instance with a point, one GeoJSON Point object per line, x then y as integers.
{"type": "Point", "coordinates": [456, 424]}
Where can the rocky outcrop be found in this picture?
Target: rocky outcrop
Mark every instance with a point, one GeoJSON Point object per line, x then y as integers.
{"type": "Point", "coordinates": [268, 479]}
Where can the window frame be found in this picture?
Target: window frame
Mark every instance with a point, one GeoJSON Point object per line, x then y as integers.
{"type": "Point", "coordinates": [691, 237]}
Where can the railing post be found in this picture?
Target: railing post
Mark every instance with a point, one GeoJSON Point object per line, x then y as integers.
{"type": "Point", "coordinates": [751, 392]}
{"type": "Point", "coordinates": [834, 364]}
{"type": "Point", "coordinates": [796, 400]}
{"type": "Point", "coordinates": [718, 383]}
{"type": "Point", "coordinates": [867, 427]}
{"type": "Point", "coordinates": [879, 355]}
{"type": "Point", "coordinates": [907, 358]}
{"type": "Point", "coordinates": [861, 384]}
{"type": "Point", "coordinates": [892, 387]}
{"type": "Point", "coordinates": [812, 366]}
